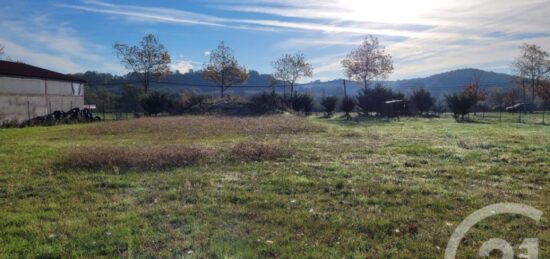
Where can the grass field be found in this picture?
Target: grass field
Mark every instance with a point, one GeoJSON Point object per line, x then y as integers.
{"type": "Point", "coordinates": [279, 186]}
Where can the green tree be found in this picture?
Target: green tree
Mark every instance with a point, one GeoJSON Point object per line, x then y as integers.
{"type": "Point", "coordinates": [129, 98]}
{"type": "Point", "coordinates": [329, 103]}
{"type": "Point", "coordinates": [155, 103]}
{"type": "Point", "coordinates": [462, 102]}
{"type": "Point", "coordinates": [348, 105]}
{"type": "Point", "coordinates": [422, 99]}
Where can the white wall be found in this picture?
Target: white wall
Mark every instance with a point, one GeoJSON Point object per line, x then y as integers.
{"type": "Point", "coordinates": [21, 97]}
{"type": "Point", "coordinates": [17, 85]}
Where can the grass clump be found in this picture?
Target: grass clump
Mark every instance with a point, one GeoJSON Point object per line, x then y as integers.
{"type": "Point", "coordinates": [144, 158]}
{"type": "Point", "coordinates": [251, 151]}
{"type": "Point", "coordinates": [207, 126]}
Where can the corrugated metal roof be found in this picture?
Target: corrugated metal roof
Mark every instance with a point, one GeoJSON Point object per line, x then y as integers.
{"type": "Point", "coordinates": [24, 70]}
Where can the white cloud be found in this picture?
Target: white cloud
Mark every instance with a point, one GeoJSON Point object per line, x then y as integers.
{"type": "Point", "coordinates": [176, 16]}
{"type": "Point", "coordinates": [39, 41]}
{"type": "Point", "coordinates": [423, 36]}
{"type": "Point", "coordinates": [183, 66]}
{"type": "Point", "coordinates": [41, 59]}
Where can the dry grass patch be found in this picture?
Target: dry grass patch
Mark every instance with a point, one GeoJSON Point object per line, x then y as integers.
{"type": "Point", "coordinates": [259, 152]}
{"type": "Point", "coordinates": [145, 158]}
{"type": "Point", "coordinates": [207, 126]}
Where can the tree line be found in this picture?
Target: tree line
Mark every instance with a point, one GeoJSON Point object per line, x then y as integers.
{"type": "Point", "coordinates": [368, 63]}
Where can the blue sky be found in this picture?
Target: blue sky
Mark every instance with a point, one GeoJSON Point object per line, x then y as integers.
{"type": "Point", "coordinates": [424, 36]}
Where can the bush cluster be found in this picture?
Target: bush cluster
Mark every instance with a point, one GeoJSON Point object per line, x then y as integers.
{"type": "Point", "coordinates": [302, 103]}
{"type": "Point", "coordinates": [329, 104]}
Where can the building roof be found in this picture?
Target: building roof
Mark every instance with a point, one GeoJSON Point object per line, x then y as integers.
{"type": "Point", "coordinates": [24, 70]}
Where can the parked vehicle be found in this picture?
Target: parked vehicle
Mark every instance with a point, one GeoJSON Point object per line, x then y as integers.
{"type": "Point", "coordinates": [520, 107]}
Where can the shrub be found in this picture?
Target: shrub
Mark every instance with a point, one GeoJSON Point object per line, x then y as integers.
{"type": "Point", "coordinates": [348, 105]}
{"type": "Point", "coordinates": [258, 152]}
{"type": "Point", "coordinates": [173, 104]}
{"type": "Point", "coordinates": [374, 99]}
{"type": "Point", "coordinates": [308, 103]}
{"type": "Point", "coordinates": [155, 103]}
{"type": "Point", "coordinates": [128, 99]}
{"type": "Point", "coordinates": [146, 158]}
{"type": "Point", "coordinates": [302, 102]}
{"type": "Point", "coordinates": [266, 102]}
{"type": "Point", "coordinates": [462, 102]}
{"type": "Point", "coordinates": [329, 103]}
{"type": "Point", "coordinates": [192, 99]}
{"type": "Point", "coordinates": [423, 100]}
{"type": "Point", "coordinates": [10, 124]}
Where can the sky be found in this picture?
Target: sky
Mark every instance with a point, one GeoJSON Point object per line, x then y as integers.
{"type": "Point", "coordinates": [424, 37]}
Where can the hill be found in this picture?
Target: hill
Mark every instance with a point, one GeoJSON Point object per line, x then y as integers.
{"type": "Point", "coordinates": [438, 85]}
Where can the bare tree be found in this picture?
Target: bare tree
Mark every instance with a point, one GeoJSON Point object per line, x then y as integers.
{"type": "Point", "coordinates": [223, 68]}
{"type": "Point", "coordinates": [1, 51]}
{"type": "Point", "coordinates": [290, 68]}
{"type": "Point", "coordinates": [148, 60]}
{"type": "Point", "coordinates": [368, 62]}
{"type": "Point", "coordinates": [532, 66]}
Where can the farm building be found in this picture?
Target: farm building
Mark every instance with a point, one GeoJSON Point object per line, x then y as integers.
{"type": "Point", "coordinates": [27, 92]}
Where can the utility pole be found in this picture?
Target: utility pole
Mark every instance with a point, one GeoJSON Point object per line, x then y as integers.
{"type": "Point", "coordinates": [345, 89]}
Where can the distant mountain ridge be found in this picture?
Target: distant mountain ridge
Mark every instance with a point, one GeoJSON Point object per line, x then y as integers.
{"type": "Point", "coordinates": [438, 84]}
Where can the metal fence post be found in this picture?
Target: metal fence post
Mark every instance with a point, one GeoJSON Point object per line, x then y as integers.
{"type": "Point", "coordinates": [29, 111]}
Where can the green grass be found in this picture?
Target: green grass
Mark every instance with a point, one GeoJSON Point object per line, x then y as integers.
{"type": "Point", "coordinates": [350, 189]}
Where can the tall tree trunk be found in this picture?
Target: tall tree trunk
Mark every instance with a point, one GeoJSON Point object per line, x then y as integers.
{"type": "Point", "coordinates": [533, 84]}
{"type": "Point", "coordinates": [524, 95]}
{"type": "Point", "coordinates": [146, 83]}
{"type": "Point", "coordinates": [223, 84]}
